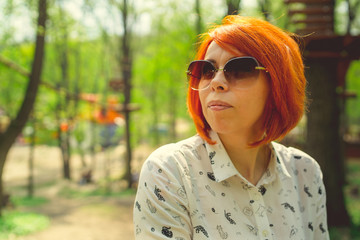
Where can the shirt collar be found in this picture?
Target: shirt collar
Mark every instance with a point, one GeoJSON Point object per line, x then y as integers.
{"type": "Point", "coordinates": [221, 163]}
{"type": "Point", "coordinates": [277, 150]}
{"type": "Point", "coordinates": [223, 167]}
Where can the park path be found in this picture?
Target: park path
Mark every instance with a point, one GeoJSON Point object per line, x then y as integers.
{"type": "Point", "coordinates": [87, 219]}
{"type": "Point", "coordinates": [80, 218]}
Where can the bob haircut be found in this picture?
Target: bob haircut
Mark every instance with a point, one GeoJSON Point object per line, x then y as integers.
{"type": "Point", "coordinates": [279, 53]}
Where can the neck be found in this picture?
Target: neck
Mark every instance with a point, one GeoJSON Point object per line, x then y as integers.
{"type": "Point", "coordinates": [251, 162]}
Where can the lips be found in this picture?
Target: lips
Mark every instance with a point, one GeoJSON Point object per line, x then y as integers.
{"type": "Point", "coordinates": [218, 105]}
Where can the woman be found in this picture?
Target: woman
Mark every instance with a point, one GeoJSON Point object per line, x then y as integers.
{"type": "Point", "coordinates": [231, 181]}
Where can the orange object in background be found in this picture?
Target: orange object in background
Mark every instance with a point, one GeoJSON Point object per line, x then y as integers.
{"type": "Point", "coordinates": [107, 116]}
{"type": "Point", "coordinates": [64, 126]}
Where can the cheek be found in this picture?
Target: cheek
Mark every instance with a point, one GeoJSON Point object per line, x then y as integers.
{"type": "Point", "coordinates": [202, 98]}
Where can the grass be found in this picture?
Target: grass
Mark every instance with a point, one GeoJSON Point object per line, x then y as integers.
{"type": "Point", "coordinates": [21, 223]}
{"type": "Point", "coordinates": [16, 223]}
{"type": "Point", "coordinates": [29, 201]}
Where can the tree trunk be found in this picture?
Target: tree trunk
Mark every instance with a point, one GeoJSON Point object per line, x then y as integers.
{"type": "Point", "coordinates": [233, 7]}
{"type": "Point", "coordinates": [172, 111]}
{"type": "Point", "coordinates": [323, 135]}
{"type": "Point", "coordinates": [65, 149]}
{"type": "Point", "coordinates": [65, 107]}
{"type": "Point", "coordinates": [265, 8]}
{"type": "Point", "coordinates": [126, 65]}
{"type": "Point", "coordinates": [8, 137]}
{"type": "Point", "coordinates": [31, 157]}
{"type": "Point", "coordinates": [198, 17]}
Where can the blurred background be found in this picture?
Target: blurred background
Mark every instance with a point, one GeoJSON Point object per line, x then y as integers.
{"type": "Point", "coordinates": [90, 88]}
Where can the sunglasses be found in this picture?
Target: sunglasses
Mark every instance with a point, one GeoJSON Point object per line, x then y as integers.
{"type": "Point", "coordinates": [239, 72]}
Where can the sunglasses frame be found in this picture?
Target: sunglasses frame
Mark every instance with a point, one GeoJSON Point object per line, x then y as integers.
{"type": "Point", "coordinates": [215, 70]}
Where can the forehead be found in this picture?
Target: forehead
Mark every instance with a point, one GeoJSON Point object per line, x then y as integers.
{"type": "Point", "coordinates": [215, 51]}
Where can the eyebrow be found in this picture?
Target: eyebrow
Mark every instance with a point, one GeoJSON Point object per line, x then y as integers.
{"type": "Point", "coordinates": [213, 61]}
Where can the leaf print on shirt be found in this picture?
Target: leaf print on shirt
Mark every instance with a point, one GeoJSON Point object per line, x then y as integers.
{"type": "Point", "coordinates": [288, 206]}
{"type": "Point", "coordinates": [150, 206]}
{"type": "Point", "coordinates": [199, 229]}
{"type": "Point", "coordinates": [211, 156]}
{"type": "Point", "coordinates": [310, 226]}
{"type": "Point", "coordinates": [322, 228]}
{"type": "Point", "coordinates": [137, 204]}
{"type": "Point", "coordinates": [306, 190]}
{"type": "Point", "coordinates": [246, 186]}
{"type": "Point", "coordinates": [210, 190]}
{"type": "Point", "coordinates": [320, 191]}
{"type": "Point", "coordinates": [211, 176]}
{"type": "Point", "coordinates": [223, 234]}
{"type": "Point", "coordinates": [167, 232]}
{"type": "Point", "coordinates": [157, 192]}
{"type": "Point", "coordinates": [262, 190]}
{"type": "Point", "coordinates": [228, 217]}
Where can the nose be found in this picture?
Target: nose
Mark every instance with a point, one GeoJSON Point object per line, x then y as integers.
{"type": "Point", "coordinates": [219, 82]}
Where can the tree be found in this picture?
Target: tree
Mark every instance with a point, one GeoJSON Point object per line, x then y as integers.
{"type": "Point", "coordinates": [65, 112]}
{"type": "Point", "coordinates": [265, 8]}
{"type": "Point", "coordinates": [125, 61]}
{"type": "Point", "coordinates": [352, 10]}
{"type": "Point", "coordinates": [199, 25]}
{"type": "Point", "coordinates": [327, 58]}
{"type": "Point", "coordinates": [8, 137]}
{"type": "Point", "coordinates": [233, 7]}
{"type": "Point", "coordinates": [323, 136]}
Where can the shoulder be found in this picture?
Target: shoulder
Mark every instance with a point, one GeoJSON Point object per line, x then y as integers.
{"type": "Point", "coordinates": [296, 161]}
{"type": "Point", "coordinates": [174, 157]}
{"type": "Point", "coordinates": [175, 151]}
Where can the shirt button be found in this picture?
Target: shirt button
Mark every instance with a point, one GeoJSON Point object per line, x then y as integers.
{"type": "Point", "coordinates": [265, 233]}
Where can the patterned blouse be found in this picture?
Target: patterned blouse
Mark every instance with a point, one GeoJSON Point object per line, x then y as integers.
{"type": "Point", "coordinates": [191, 190]}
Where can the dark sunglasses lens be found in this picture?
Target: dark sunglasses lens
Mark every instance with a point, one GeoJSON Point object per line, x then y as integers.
{"type": "Point", "coordinates": [241, 68]}
{"type": "Point", "coordinates": [200, 70]}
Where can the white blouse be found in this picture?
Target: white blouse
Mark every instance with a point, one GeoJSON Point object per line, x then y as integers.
{"type": "Point", "coordinates": [191, 190]}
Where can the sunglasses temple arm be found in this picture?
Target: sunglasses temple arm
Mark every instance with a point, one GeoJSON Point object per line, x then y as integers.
{"type": "Point", "coordinates": [261, 68]}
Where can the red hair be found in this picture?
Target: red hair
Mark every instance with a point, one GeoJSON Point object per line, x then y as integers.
{"type": "Point", "coordinates": [277, 51]}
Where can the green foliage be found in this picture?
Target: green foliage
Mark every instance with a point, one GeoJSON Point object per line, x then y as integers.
{"type": "Point", "coordinates": [352, 199]}
{"type": "Point", "coordinates": [159, 73]}
{"type": "Point", "coordinates": [353, 85]}
{"type": "Point", "coordinates": [21, 223]}
{"type": "Point", "coordinates": [13, 85]}
{"type": "Point", "coordinates": [161, 53]}
{"type": "Point", "coordinates": [352, 191]}
{"type": "Point", "coordinates": [29, 201]}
